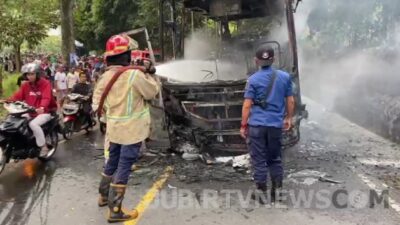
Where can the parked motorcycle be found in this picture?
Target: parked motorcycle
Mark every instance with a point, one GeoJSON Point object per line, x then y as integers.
{"type": "Point", "coordinates": [16, 138]}
{"type": "Point", "coordinates": [75, 118]}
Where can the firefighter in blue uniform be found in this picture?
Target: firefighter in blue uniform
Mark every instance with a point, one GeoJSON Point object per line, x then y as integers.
{"type": "Point", "coordinates": [267, 111]}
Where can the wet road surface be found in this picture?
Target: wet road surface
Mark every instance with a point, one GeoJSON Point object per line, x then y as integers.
{"type": "Point", "coordinates": [64, 190]}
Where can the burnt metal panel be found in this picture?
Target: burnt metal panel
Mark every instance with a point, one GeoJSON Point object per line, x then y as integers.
{"type": "Point", "coordinates": [221, 8]}
{"type": "Point", "coordinates": [235, 9]}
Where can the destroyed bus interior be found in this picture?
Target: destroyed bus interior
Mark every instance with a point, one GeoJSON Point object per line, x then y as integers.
{"type": "Point", "coordinates": [207, 111]}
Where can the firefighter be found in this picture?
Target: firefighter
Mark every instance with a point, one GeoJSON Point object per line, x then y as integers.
{"type": "Point", "coordinates": [128, 122]}
{"type": "Point", "coordinates": [151, 70]}
{"type": "Point", "coordinates": [267, 110]}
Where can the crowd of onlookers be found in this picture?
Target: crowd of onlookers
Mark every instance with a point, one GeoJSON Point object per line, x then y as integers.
{"type": "Point", "coordinates": [53, 67]}
{"type": "Point", "coordinates": [62, 78]}
{"type": "Point", "coordinates": [8, 64]}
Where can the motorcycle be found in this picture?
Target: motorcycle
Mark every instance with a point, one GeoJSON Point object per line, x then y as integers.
{"type": "Point", "coordinates": [75, 119]}
{"type": "Point", "coordinates": [16, 138]}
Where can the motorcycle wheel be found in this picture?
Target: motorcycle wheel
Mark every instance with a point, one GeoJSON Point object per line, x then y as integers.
{"type": "Point", "coordinates": [68, 130]}
{"type": "Point", "coordinates": [52, 144]}
{"type": "Point", "coordinates": [91, 126]}
{"type": "Point", "coordinates": [3, 159]}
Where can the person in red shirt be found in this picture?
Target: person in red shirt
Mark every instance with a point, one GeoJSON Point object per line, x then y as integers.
{"type": "Point", "coordinates": [37, 93]}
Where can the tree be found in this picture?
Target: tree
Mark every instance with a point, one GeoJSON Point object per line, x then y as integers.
{"type": "Point", "coordinates": [335, 26]}
{"type": "Point", "coordinates": [149, 17]}
{"type": "Point", "coordinates": [51, 44]}
{"type": "Point", "coordinates": [97, 20]}
{"type": "Point", "coordinates": [84, 23]}
{"type": "Point", "coordinates": [28, 21]}
{"type": "Point", "coordinates": [145, 9]}
{"type": "Point", "coordinates": [67, 29]}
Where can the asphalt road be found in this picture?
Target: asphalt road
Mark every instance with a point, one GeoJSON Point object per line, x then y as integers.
{"type": "Point", "coordinates": [352, 161]}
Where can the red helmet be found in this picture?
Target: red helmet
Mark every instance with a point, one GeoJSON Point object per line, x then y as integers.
{"type": "Point", "coordinates": [118, 44]}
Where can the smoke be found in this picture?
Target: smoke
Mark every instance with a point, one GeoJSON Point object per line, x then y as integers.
{"type": "Point", "coordinates": [201, 62]}
{"type": "Point", "coordinates": [199, 45]}
{"type": "Point", "coordinates": [208, 59]}
{"type": "Point", "coordinates": [357, 74]}
{"type": "Point", "coordinates": [192, 70]}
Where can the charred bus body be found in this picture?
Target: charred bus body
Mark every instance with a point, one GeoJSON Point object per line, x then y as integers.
{"type": "Point", "coordinates": [209, 113]}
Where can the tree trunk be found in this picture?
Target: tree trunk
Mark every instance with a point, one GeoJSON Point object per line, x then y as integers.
{"type": "Point", "coordinates": [18, 61]}
{"type": "Point", "coordinates": [67, 29]}
{"type": "Point", "coordinates": [1, 80]}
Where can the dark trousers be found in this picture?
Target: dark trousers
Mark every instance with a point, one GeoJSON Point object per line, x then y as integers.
{"type": "Point", "coordinates": [265, 152]}
{"type": "Point", "coordinates": [89, 119]}
{"type": "Point", "coordinates": [120, 161]}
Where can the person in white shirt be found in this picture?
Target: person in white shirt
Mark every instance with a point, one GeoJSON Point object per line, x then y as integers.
{"type": "Point", "coordinates": [60, 84]}
{"type": "Point", "coordinates": [72, 79]}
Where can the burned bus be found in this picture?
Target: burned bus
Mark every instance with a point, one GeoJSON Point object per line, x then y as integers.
{"type": "Point", "coordinates": [207, 111]}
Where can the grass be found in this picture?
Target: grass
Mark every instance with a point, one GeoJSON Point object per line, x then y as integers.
{"type": "Point", "coordinates": [9, 84]}
{"type": "Point", "coordinates": [9, 87]}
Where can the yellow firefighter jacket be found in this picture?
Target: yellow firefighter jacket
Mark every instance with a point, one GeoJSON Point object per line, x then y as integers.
{"type": "Point", "coordinates": [126, 107]}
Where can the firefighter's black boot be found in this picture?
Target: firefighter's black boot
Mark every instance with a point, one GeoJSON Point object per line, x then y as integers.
{"type": "Point", "coordinates": [276, 190]}
{"type": "Point", "coordinates": [115, 198]}
{"type": "Point", "coordinates": [260, 194]}
{"type": "Point", "coordinates": [104, 189]}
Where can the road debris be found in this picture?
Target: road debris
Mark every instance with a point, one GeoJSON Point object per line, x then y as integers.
{"type": "Point", "coordinates": [310, 177]}
{"type": "Point", "coordinates": [207, 158]}
{"type": "Point", "coordinates": [190, 156]}
{"type": "Point", "coordinates": [187, 147]}
{"type": "Point", "coordinates": [324, 179]}
{"type": "Point", "coordinates": [171, 187]}
{"type": "Point", "coordinates": [241, 161]}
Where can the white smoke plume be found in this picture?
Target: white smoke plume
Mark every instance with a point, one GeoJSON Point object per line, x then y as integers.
{"type": "Point", "coordinates": [362, 83]}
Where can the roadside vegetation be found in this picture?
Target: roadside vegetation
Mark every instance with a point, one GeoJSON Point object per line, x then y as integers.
{"type": "Point", "coordinates": [9, 86]}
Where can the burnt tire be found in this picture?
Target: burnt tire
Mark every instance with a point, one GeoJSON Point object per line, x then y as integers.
{"type": "Point", "coordinates": [52, 144]}
{"type": "Point", "coordinates": [68, 130]}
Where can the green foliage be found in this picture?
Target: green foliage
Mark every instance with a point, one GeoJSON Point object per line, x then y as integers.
{"type": "Point", "coordinates": [49, 45]}
{"type": "Point", "coordinates": [148, 16]}
{"type": "Point", "coordinates": [255, 27]}
{"type": "Point", "coordinates": [97, 20]}
{"type": "Point", "coordinates": [9, 87]}
{"type": "Point", "coordinates": [28, 21]}
{"type": "Point", "coordinates": [9, 84]}
{"type": "Point", "coordinates": [85, 23]}
{"type": "Point", "coordinates": [347, 25]}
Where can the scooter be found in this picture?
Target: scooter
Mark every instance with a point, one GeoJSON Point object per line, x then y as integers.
{"type": "Point", "coordinates": [75, 119]}
{"type": "Point", "coordinates": [16, 138]}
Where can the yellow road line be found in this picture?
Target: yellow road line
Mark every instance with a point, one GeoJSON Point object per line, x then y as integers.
{"type": "Point", "coordinates": [150, 195]}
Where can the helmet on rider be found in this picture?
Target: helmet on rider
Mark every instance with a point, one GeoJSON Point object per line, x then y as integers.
{"type": "Point", "coordinates": [31, 71]}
